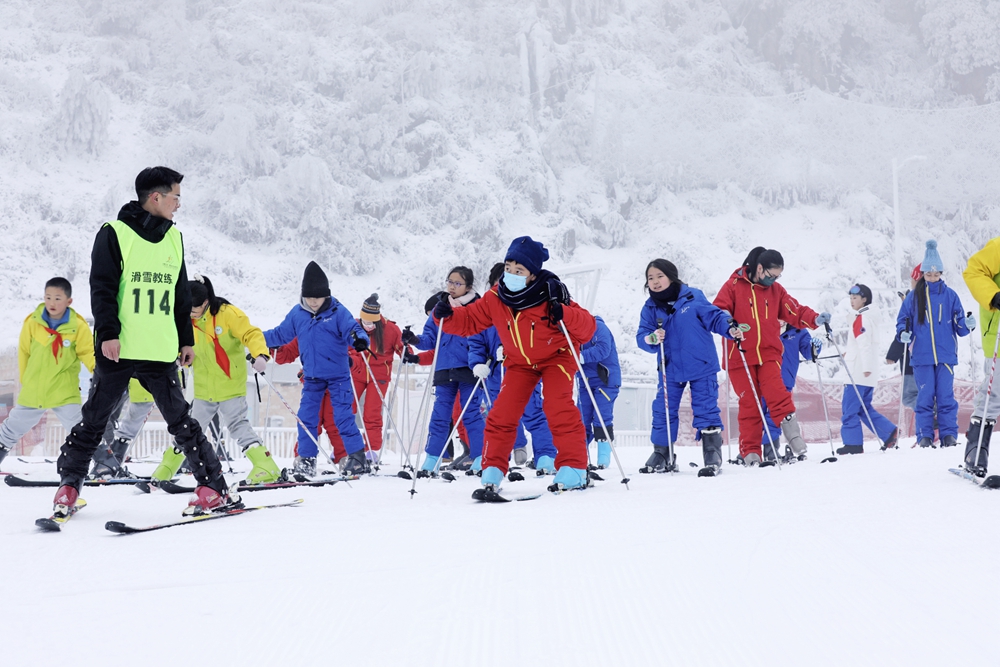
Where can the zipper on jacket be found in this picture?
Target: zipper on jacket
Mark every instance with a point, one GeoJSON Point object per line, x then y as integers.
{"type": "Point", "coordinates": [518, 341]}
{"type": "Point", "coordinates": [532, 340]}
{"type": "Point", "coordinates": [930, 323]}
{"type": "Point", "coordinates": [756, 318]}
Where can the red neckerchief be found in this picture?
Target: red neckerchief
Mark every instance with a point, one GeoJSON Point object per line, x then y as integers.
{"type": "Point", "coordinates": [57, 343]}
{"type": "Point", "coordinates": [221, 357]}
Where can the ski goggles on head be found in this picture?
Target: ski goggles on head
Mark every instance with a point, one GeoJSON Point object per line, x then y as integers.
{"type": "Point", "coordinates": [854, 290]}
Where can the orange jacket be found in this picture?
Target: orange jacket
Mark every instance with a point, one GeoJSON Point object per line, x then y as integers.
{"type": "Point", "coordinates": [761, 308]}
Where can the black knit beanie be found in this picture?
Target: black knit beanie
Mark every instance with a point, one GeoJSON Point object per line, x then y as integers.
{"type": "Point", "coordinates": [314, 282]}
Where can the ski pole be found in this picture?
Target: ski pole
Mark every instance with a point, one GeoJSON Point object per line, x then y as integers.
{"type": "Point", "coordinates": [826, 414]}
{"type": "Point", "coordinates": [871, 424]}
{"type": "Point", "coordinates": [666, 403]}
{"type": "Point", "coordinates": [381, 396]}
{"type": "Point", "coordinates": [364, 429]}
{"type": "Point", "coordinates": [986, 401]}
{"type": "Point", "coordinates": [301, 423]}
{"type": "Point", "coordinates": [586, 383]}
{"type": "Point", "coordinates": [215, 430]}
{"type": "Point", "coordinates": [427, 391]}
{"type": "Point", "coordinates": [760, 409]}
{"type": "Point", "coordinates": [389, 406]}
{"type": "Point", "coordinates": [902, 385]}
{"type": "Point", "coordinates": [729, 420]}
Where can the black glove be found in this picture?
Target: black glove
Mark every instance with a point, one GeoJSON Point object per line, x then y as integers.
{"type": "Point", "coordinates": [410, 338]}
{"type": "Point", "coordinates": [557, 292]}
{"type": "Point", "coordinates": [555, 312]}
{"type": "Point", "coordinates": [360, 344]}
{"type": "Point", "coordinates": [443, 309]}
{"type": "Point", "coordinates": [410, 358]}
{"type": "Point", "coordinates": [350, 362]}
{"type": "Point", "coordinates": [995, 302]}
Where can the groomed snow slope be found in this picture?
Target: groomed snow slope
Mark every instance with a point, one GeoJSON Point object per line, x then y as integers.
{"type": "Point", "coordinates": [881, 559]}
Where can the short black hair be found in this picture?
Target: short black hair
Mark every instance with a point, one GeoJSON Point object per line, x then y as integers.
{"type": "Point", "coordinates": [496, 273]}
{"type": "Point", "coordinates": [60, 283]}
{"type": "Point", "coordinates": [466, 273]}
{"type": "Point", "coordinates": [155, 179]}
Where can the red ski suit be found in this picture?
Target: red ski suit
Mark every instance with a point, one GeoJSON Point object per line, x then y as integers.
{"type": "Point", "coordinates": [381, 365]}
{"type": "Point", "coordinates": [286, 354]}
{"type": "Point", "coordinates": [761, 308]}
{"type": "Point", "coordinates": [426, 358]}
{"type": "Point", "coordinates": [535, 349]}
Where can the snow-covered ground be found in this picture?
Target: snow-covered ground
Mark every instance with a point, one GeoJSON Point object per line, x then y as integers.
{"type": "Point", "coordinates": [879, 559]}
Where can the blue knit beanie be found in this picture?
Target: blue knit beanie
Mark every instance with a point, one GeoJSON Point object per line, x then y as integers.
{"type": "Point", "coordinates": [932, 260]}
{"type": "Point", "coordinates": [531, 254]}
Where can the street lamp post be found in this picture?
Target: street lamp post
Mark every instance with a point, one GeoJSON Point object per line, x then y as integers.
{"type": "Point", "coordinates": [896, 166]}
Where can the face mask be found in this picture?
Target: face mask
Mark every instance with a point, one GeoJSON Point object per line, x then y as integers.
{"type": "Point", "coordinates": [368, 326]}
{"type": "Point", "coordinates": [767, 281]}
{"type": "Point", "coordinates": [513, 282]}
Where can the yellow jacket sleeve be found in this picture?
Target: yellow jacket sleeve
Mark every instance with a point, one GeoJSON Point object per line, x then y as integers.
{"type": "Point", "coordinates": [239, 326]}
{"type": "Point", "coordinates": [980, 274]}
{"type": "Point", "coordinates": [85, 343]}
{"type": "Point", "coordinates": [23, 349]}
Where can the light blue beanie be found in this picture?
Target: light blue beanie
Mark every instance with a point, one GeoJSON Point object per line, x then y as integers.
{"type": "Point", "coordinates": [932, 260]}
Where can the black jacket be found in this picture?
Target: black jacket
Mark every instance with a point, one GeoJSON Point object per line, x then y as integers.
{"type": "Point", "coordinates": [106, 273]}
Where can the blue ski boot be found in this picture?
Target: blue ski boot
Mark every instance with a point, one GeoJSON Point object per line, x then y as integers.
{"type": "Point", "coordinates": [491, 480]}
{"type": "Point", "coordinates": [428, 466]}
{"type": "Point", "coordinates": [569, 478]}
{"type": "Point", "coordinates": [545, 465]}
{"type": "Point", "coordinates": [603, 454]}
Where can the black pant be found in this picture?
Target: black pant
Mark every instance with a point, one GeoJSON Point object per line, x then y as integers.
{"type": "Point", "coordinates": [159, 379]}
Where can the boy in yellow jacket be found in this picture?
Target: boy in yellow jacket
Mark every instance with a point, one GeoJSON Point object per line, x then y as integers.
{"type": "Point", "coordinates": [222, 334]}
{"type": "Point", "coordinates": [54, 341]}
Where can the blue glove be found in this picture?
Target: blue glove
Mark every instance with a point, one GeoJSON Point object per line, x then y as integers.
{"type": "Point", "coordinates": [905, 337]}
{"type": "Point", "coordinates": [817, 347]}
{"type": "Point", "coordinates": [970, 321]}
{"type": "Point", "coordinates": [822, 318]}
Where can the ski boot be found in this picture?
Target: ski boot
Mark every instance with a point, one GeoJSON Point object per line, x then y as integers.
{"type": "Point", "coordinates": [752, 460]}
{"type": "Point", "coordinates": [711, 449]}
{"type": "Point", "coordinates": [545, 465]}
{"type": "Point", "coordinates": [792, 433]}
{"type": "Point", "coordinates": [603, 454]}
{"type": "Point", "coordinates": [491, 479]}
{"type": "Point", "coordinates": [948, 441]}
{"type": "Point", "coordinates": [851, 449]}
{"type": "Point", "coordinates": [926, 443]}
{"type": "Point", "coordinates": [169, 465]}
{"type": "Point", "coordinates": [462, 463]}
{"type": "Point", "coordinates": [977, 429]}
{"type": "Point", "coordinates": [890, 442]}
{"type": "Point", "coordinates": [265, 470]}
{"type": "Point", "coordinates": [357, 464]}
{"type": "Point", "coordinates": [304, 466]}
{"type": "Point", "coordinates": [3, 452]}
{"type": "Point", "coordinates": [520, 456]}
{"type": "Point", "coordinates": [477, 465]}
{"type": "Point", "coordinates": [65, 501]}
{"type": "Point", "coordinates": [209, 500]}
{"type": "Point", "coordinates": [428, 467]}
{"type": "Point", "coordinates": [568, 478]}
{"type": "Point", "coordinates": [658, 461]}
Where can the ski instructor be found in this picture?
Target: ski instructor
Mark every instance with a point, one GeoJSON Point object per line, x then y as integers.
{"type": "Point", "coordinates": [142, 305]}
{"type": "Point", "coordinates": [756, 300]}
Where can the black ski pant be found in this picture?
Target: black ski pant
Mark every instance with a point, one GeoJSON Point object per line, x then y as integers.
{"type": "Point", "coordinates": [159, 379]}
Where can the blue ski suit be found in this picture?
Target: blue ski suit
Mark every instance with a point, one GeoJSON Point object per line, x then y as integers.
{"type": "Point", "coordinates": [599, 357]}
{"type": "Point", "coordinates": [691, 358]}
{"type": "Point", "coordinates": [934, 353]}
{"type": "Point", "coordinates": [324, 340]}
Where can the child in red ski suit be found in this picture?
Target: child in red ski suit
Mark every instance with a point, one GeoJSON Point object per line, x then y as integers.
{"type": "Point", "coordinates": [527, 307]}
